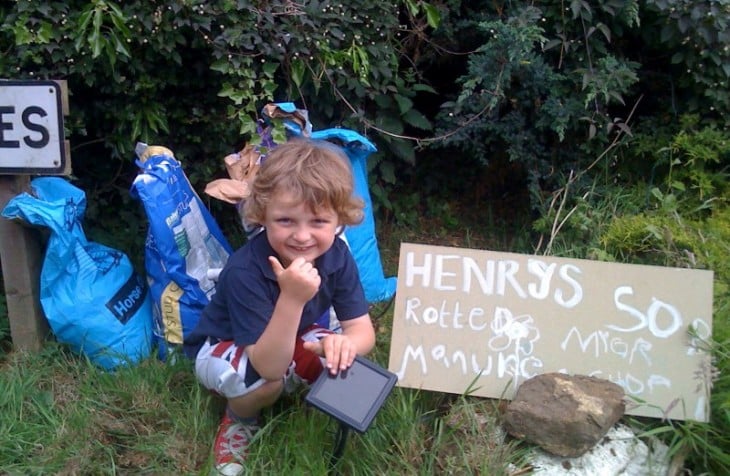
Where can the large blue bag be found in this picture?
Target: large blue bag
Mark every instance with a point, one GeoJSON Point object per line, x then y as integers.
{"type": "Point", "coordinates": [183, 243]}
{"type": "Point", "coordinates": [93, 299]}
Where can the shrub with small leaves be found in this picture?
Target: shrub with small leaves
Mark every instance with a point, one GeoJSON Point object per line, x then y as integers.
{"type": "Point", "coordinates": [193, 76]}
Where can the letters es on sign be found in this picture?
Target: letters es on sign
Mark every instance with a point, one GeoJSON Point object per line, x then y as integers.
{"type": "Point", "coordinates": [31, 128]}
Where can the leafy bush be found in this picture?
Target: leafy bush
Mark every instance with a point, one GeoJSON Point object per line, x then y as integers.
{"type": "Point", "coordinates": [541, 88]}
{"type": "Point", "coordinates": [193, 76]}
{"type": "Point", "coordinates": [696, 35]}
{"type": "Point", "coordinates": [553, 86]}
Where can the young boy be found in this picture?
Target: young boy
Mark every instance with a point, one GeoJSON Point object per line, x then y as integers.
{"type": "Point", "coordinates": [258, 333]}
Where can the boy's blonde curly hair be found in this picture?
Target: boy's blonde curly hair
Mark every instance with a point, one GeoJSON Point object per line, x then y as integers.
{"type": "Point", "coordinates": [314, 172]}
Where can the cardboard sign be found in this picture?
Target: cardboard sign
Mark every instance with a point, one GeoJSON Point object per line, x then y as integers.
{"type": "Point", "coordinates": [31, 128]}
{"type": "Point", "coordinates": [483, 322]}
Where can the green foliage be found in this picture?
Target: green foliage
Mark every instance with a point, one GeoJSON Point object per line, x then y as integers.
{"type": "Point", "coordinates": [699, 160]}
{"type": "Point", "coordinates": [553, 86]}
{"type": "Point", "coordinates": [541, 87]}
{"type": "Point", "coordinates": [696, 35]}
{"type": "Point", "coordinates": [193, 76]}
{"type": "Point", "coordinates": [571, 223]}
{"type": "Point", "coordinates": [650, 239]}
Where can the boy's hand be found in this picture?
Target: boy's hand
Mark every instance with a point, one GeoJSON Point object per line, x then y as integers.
{"type": "Point", "coordinates": [337, 349]}
{"type": "Point", "coordinates": [299, 281]}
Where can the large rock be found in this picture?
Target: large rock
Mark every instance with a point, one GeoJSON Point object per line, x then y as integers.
{"type": "Point", "coordinates": [564, 415]}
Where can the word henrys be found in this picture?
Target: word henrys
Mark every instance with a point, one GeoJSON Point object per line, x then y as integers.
{"type": "Point", "coordinates": [456, 273]}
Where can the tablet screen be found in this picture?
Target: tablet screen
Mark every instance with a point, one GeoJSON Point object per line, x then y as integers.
{"type": "Point", "coordinates": [354, 396]}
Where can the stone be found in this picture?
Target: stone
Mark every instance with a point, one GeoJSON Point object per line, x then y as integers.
{"type": "Point", "coordinates": [564, 415]}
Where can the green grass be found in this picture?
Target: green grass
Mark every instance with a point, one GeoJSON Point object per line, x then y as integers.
{"type": "Point", "coordinates": [59, 414]}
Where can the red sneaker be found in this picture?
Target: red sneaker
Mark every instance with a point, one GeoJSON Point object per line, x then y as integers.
{"type": "Point", "coordinates": [231, 445]}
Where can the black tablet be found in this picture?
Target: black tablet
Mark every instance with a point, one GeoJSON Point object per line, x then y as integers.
{"type": "Point", "coordinates": [353, 396]}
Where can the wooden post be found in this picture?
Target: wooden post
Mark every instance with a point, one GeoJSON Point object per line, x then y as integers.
{"type": "Point", "coordinates": [21, 249]}
{"type": "Point", "coordinates": [21, 256]}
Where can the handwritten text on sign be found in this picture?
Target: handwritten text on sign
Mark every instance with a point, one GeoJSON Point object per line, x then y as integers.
{"type": "Point", "coordinates": [488, 321]}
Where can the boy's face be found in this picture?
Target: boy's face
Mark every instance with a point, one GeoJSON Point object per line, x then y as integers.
{"type": "Point", "coordinates": [294, 230]}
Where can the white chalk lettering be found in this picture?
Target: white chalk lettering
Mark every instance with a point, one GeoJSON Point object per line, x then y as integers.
{"type": "Point", "coordinates": [657, 380]}
{"type": "Point", "coordinates": [653, 312]}
{"type": "Point", "coordinates": [633, 385]}
{"type": "Point", "coordinates": [459, 361]}
{"type": "Point", "coordinates": [411, 304]}
{"type": "Point", "coordinates": [438, 353]}
{"type": "Point", "coordinates": [416, 354]}
{"type": "Point", "coordinates": [473, 314]}
{"type": "Point", "coordinates": [620, 291]}
{"type": "Point", "coordinates": [440, 274]}
{"type": "Point", "coordinates": [599, 342]}
{"type": "Point", "coordinates": [599, 339]}
{"type": "Point", "coordinates": [447, 316]}
{"type": "Point", "coordinates": [412, 270]}
{"type": "Point", "coordinates": [485, 280]}
{"type": "Point", "coordinates": [430, 315]}
{"type": "Point", "coordinates": [650, 318]}
{"type": "Point", "coordinates": [544, 272]}
{"type": "Point", "coordinates": [577, 289]}
{"type": "Point", "coordinates": [460, 356]}
{"type": "Point", "coordinates": [538, 279]}
{"type": "Point", "coordinates": [642, 347]}
{"type": "Point", "coordinates": [506, 274]}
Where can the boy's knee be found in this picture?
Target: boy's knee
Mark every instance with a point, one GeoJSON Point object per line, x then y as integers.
{"type": "Point", "coordinates": [266, 393]}
{"type": "Point", "coordinates": [263, 396]}
{"type": "Point", "coordinates": [271, 388]}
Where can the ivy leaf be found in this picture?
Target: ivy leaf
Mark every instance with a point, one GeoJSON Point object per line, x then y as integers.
{"type": "Point", "coordinates": [387, 172]}
{"type": "Point", "coordinates": [404, 150]}
{"type": "Point", "coordinates": [551, 44]}
{"type": "Point", "coordinates": [416, 119]}
{"type": "Point", "coordinates": [433, 17]}
{"type": "Point", "coordinates": [423, 87]}
{"type": "Point", "coordinates": [404, 104]}
{"type": "Point", "coordinates": [390, 124]}
{"type": "Point", "coordinates": [297, 72]}
{"type": "Point", "coordinates": [605, 30]}
{"type": "Point", "coordinates": [337, 33]}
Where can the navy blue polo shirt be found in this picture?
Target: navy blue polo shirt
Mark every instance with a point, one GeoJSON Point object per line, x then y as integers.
{"type": "Point", "coordinates": [247, 291]}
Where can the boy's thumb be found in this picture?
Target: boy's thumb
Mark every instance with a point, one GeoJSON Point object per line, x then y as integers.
{"type": "Point", "coordinates": [276, 265]}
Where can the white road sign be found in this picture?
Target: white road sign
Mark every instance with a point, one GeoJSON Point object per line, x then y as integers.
{"type": "Point", "coordinates": [31, 128]}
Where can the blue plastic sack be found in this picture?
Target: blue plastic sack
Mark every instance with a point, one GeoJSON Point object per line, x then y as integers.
{"type": "Point", "coordinates": [93, 299]}
{"type": "Point", "coordinates": [361, 238]}
{"type": "Point", "coordinates": [183, 243]}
